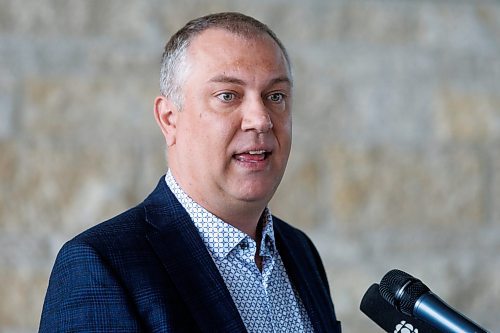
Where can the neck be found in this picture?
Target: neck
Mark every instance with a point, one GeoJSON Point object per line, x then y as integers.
{"type": "Point", "coordinates": [243, 215]}
{"type": "Point", "coordinates": [248, 223]}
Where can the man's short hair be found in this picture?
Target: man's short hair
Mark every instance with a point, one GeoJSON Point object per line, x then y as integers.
{"type": "Point", "coordinates": [174, 66]}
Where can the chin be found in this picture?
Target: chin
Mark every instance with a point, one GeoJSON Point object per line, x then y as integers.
{"type": "Point", "coordinates": [257, 193]}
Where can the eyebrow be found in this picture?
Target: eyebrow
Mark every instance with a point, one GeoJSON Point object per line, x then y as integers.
{"type": "Point", "coordinates": [229, 79]}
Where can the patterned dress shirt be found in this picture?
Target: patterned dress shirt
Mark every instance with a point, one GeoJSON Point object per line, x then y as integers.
{"type": "Point", "coordinates": [266, 301]}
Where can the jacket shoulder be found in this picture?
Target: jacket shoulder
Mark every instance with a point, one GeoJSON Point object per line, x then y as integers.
{"type": "Point", "coordinates": [84, 290]}
{"type": "Point", "coordinates": [121, 225]}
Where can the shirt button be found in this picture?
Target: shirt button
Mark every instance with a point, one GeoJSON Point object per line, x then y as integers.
{"type": "Point", "coordinates": [244, 245]}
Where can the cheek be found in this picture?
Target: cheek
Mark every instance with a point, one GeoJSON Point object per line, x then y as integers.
{"type": "Point", "coordinates": [283, 128]}
{"type": "Point", "coordinates": [216, 132]}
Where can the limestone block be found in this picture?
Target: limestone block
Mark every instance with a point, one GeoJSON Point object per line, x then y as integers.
{"type": "Point", "coordinates": [464, 26]}
{"type": "Point", "coordinates": [384, 186]}
{"type": "Point", "coordinates": [9, 164]}
{"type": "Point", "coordinates": [382, 22]}
{"type": "Point", "coordinates": [359, 97]}
{"type": "Point", "coordinates": [494, 182]}
{"type": "Point", "coordinates": [466, 116]}
{"type": "Point", "coordinates": [7, 102]}
{"type": "Point", "coordinates": [299, 199]}
{"type": "Point", "coordinates": [71, 154]}
{"type": "Point", "coordinates": [77, 18]}
{"type": "Point", "coordinates": [22, 295]}
{"type": "Point", "coordinates": [340, 20]}
{"type": "Point", "coordinates": [59, 108]}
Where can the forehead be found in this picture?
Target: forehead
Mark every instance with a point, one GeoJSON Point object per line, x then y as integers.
{"type": "Point", "coordinates": [221, 50]}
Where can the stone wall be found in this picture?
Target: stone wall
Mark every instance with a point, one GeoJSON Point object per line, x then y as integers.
{"type": "Point", "coordinates": [396, 160]}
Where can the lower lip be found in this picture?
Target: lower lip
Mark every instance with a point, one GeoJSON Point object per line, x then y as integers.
{"type": "Point", "coordinates": [251, 164]}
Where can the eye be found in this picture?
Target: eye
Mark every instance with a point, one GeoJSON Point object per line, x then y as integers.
{"type": "Point", "coordinates": [276, 97]}
{"type": "Point", "coordinates": [226, 96]}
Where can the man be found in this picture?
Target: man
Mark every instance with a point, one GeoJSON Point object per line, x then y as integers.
{"type": "Point", "coordinates": [203, 253]}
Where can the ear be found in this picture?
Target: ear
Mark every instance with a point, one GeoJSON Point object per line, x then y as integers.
{"type": "Point", "coordinates": [166, 117]}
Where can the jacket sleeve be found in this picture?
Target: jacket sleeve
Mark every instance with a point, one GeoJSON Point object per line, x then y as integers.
{"type": "Point", "coordinates": [84, 295]}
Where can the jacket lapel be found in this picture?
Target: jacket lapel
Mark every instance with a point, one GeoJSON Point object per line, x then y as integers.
{"type": "Point", "coordinates": [177, 243]}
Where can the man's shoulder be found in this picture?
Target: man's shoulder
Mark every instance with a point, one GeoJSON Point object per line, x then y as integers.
{"type": "Point", "coordinates": [128, 225]}
{"type": "Point", "coordinates": [120, 228]}
{"type": "Point", "coordinates": [123, 222]}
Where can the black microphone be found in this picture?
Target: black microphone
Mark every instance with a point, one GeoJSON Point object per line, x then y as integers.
{"type": "Point", "coordinates": [413, 298]}
{"type": "Point", "coordinates": [387, 317]}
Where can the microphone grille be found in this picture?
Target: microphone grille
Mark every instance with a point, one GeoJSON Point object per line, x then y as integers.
{"type": "Point", "coordinates": [391, 283]}
{"type": "Point", "coordinates": [402, 290]}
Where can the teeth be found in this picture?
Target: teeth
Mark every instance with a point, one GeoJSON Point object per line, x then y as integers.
{"type": "Point", "coordinates": [256, 152]}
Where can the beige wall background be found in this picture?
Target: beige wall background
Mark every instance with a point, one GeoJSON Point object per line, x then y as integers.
{"type": "Point", "coordinates": [396, 159]}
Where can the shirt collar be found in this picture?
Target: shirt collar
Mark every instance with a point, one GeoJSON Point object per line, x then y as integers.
{"type": "Point", "coordinates": [268, 244]}
{"type": "Point", "coordinates": [220, 237]}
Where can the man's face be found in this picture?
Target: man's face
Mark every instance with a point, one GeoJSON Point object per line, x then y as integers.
{"type": "Point", "coordinates": [233, 134]}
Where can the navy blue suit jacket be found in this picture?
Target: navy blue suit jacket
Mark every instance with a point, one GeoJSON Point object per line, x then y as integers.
{"type": "Point", "coordinates": [147, 270]}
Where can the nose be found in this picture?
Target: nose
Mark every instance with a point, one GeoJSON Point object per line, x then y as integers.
{"type": "Point", "coordinates": [256, 117]}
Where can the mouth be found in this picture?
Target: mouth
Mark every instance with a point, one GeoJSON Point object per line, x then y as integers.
{"type": "Point", "coordinates": [252, 156]}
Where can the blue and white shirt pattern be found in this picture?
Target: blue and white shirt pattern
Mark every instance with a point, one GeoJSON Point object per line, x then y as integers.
{"type": "Point", "coordinates": [266, 300]}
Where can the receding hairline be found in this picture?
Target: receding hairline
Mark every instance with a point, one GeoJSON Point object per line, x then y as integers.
{"type": "Point", "coordinates": [236, 23]}
{"type": "Point", "coordinates": [259, 37]}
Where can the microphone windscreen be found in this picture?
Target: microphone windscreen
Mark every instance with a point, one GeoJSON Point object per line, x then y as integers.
{"type": "Point", "coordinates": [387, 317]}
{"type": "Point", "coordinates": [408, 288]}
